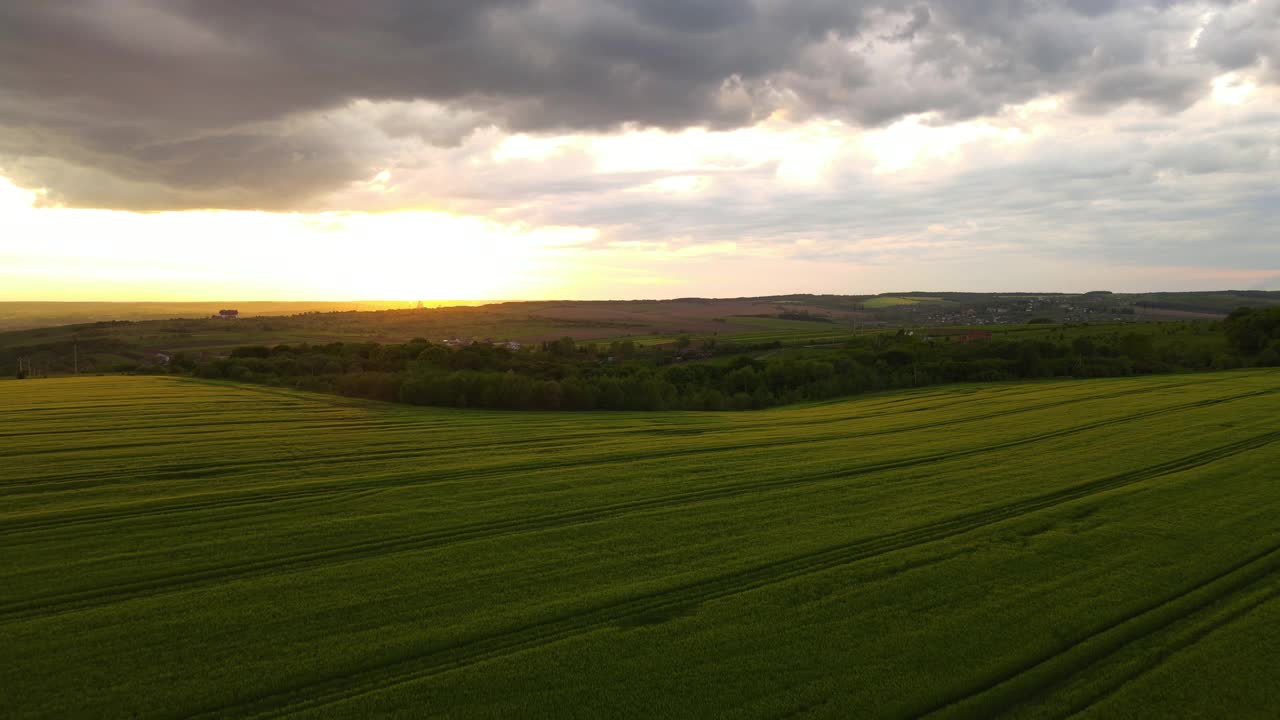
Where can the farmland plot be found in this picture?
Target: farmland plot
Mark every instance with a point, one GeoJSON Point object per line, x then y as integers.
{"type": "Point", "coordinates": [173, 548]}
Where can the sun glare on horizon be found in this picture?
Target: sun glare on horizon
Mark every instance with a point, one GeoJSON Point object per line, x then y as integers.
{"type": "Point", "coordinates": [640, 358]}
{"type": "Point", "coordinates": [197, 255]}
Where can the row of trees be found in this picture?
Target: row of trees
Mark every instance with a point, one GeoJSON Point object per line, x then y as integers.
{"type": "Point", "coordinates": [562, 374]}
{"type": "Point", "coordinates": [1252, 330]}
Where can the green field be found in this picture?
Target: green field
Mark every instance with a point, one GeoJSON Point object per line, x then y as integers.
{"type": "Point", "coordinates": [884, 301]}
{"type": "Point", "coordinates": [176, 548]}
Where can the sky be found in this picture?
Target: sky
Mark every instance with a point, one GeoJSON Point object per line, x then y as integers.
{"type": "Point", "coordinates": [611, 149]}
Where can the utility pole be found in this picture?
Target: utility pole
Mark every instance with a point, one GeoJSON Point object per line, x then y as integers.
{"type": "Point", "coordinates": [75, 356]}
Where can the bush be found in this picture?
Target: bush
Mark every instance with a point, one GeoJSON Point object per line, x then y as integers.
{"type": "Point", "coordinates": [562, 375]}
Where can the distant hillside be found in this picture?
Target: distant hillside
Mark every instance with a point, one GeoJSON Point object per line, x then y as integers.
{"type": "Point", "coordinates": [23, 315]}
{"type": "Point", "coordinates": [103, 336]}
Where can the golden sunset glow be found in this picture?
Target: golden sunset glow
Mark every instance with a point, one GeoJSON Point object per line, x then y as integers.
{"type": "Point", "coordinates": [862, 164]}
{"type": "Point", "coordinates": [639, 358]}
{"type": "Point", "coordinates": [103, 254]}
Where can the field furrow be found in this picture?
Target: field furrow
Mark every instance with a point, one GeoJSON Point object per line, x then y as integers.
{"type": "Point", "coordinates": [175, 549]}
{"type": "Point", "coordinates": [551, 631]}
{"type": "Point", "coordinates": [48, 605]}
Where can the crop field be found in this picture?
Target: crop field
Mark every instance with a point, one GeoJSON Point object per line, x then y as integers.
{"type": "Point", "coordinates": [175, 548]}
{"type": "Point", "coordinates": [104, 346]}
{"type": "Point", "coordinates": [23, 315]}
{"type": "Point", "coordinates": [885, 301]}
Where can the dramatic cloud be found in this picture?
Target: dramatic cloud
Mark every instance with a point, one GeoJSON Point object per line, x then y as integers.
{"type": "Point", "coordinates": [867, 132]}
{"type": "Point", "coordinates": [231, 104]}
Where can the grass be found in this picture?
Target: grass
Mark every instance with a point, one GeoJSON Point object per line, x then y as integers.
{"type": "Point", "coordinates": [175, 548]}
{"type": "Point", "coordinates": [884, 301]}
{"type": "Point", "coordinates": [780, 325]}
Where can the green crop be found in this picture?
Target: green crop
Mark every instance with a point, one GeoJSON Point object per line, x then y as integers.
{"type": "Point", "coordinates": [179, 548]}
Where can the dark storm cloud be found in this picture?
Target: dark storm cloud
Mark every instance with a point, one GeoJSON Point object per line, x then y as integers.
{"type": "Point", "coordinates": [693, 15]}
{"type": "Point", "coordinates": [201, 103]}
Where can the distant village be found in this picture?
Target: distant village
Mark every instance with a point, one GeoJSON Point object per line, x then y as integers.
{"type": "Point", "coordinates": [1013, 311]}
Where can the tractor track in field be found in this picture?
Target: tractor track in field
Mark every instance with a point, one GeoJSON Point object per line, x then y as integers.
{"type": "Point", "coordinates": [207, 427]}
{"type": "Point", "coordinates": [306, 495]}
{"type": "Point", "coordinates": [438, 660]}
{"type": "Point", "coordinates": [1083, 652]}
{"type": "Point", "coordinates": [267, 497]}
{"type": "Point", "coordinates": [84, 480]}
{"type": "Point", "coordinates": [69, 602]}
{"type": "Point", "coordinates": [69, 481]}
{"type": "Point", "coordinates": [335, 417]}
{"type": "Point", "coordinates": [1196, 636]}
{"type": "Point", "coordinates": [321, 421]}
{"type": "Point", "coordinates": [183, 471]}
{"type": "Point", "coordinates": [72, 601]}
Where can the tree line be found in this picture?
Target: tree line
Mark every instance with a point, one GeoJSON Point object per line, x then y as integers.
{"type": "Point", "coordinates": [706, 375]}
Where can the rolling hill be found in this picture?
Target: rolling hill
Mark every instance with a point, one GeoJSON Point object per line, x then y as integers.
{"type": "Point", "coordinates": [179, 548]}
